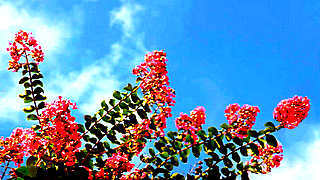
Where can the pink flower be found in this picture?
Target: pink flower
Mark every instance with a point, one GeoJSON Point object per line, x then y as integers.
{"type": "Point", "coordinates": [17, 145]}
{"type": "Point", "coordinates": [269, 157]}
{"type": "Point", "coordinates": [290, 112]}
{"type": "Point", "coordinates": [23, 44]}
{"type": "Point", "coordinates": [155, 87]}
{"type": "Point", "coordinates": [241, 118]}
{"type": "Point", "coordinates": [190, 125]}
{"type": "Point", "coordinates": [59, 129]}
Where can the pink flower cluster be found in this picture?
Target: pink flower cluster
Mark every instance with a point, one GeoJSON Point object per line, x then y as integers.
{"type": "Point", "coordinates": [24, 44]}
{"type": "Point", "coordinates": [135, 175]}
{"type": "Point", "coordinates": [117, 163]}
{"type": "Point", "coordinates": [193, 123]}
{"type": "Point", "coordinates": [241, 118]}
{"type": "Point", "coordinates": [269, 157]}
{"type": "Point", "coordinates": [17, 145]}
{"type": "Point", "coordinates": [60, 130]}
{"type": "Point", "coordinates": [290, 112]}
{"type": "Point", "coordinates": [155, 87]}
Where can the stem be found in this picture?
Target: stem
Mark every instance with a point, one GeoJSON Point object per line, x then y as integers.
{"type": "Point", "coordinates": [188, 147]}
{"type": "Point", "coordinates": [102, 138]}
{"type": "Point", "coordinates": [120, 101]}
{"type": "Point", "coordinates": [32, 92]}
{"type": "Point", "coordinates": [4, 172]}
{"type": "Point", "coordinates": [235, 150]}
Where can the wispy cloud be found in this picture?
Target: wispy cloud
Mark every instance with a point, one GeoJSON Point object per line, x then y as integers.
{"type": "Point", "coordinates": [95, 82]}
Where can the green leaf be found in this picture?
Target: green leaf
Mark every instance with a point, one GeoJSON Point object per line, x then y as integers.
{"type": "Point", "coordinates": [236, 157]}
{"type": "Point", "coordinates": [123, 105]}
{"type": "Point", "coordinates": [172, 134]}
{"type": "Point", "coordinates": [39, 97]}
{"type": "Point", "coordinates": [189, 139]}
{"type": "Point", "coordinates": [104, 105]}
{"type": "Point", "coordinates": [271, 140]}
{"type": "Point", "coordinates": [29, 109]}
{"type": "Point", "coordinates": [37, 83]}
{"type": "Point", "coordinates": [177, 176]}
{"type": "Point", "coordinates": [37, 76]}
{"type": "Point", "coordinates": [41, 105]}
{"type": "Point", "coordinates": [32, 117]}
{"type": "Point", "coordinates": [27, 93]}
{"type": "Point", "coordinates": [175, 161]}
{"type": "Point", "coordinates": [238, 141]}
{"type": "Point", "coordinates": [87, 124]}
{"type": "Point", "coordinates": [196, 149]}
{"type": "Point", "coordinates": [23, 80]}
{"type": "Point", "coordinates": [93, 140]}
{"type": "Point", "coordinates": [184, 155]}
{"type": "Point", "coordinates": [87, 118]}
{"type": "Point", "coordinates": [117, 95]}
{"type": "Point", "coordinates": [224, 126]}
{"type": "Point", "coordinates": [142, 114]}
{"type": "Point", "coordinates": [38, 90]}
{"type": "Point", "coordinates": [254, 149]}
{"type": "Point", "coordinates": [81, 128]}
{"type": "Point", "coordinates": [36, 127]}
{"type": "Point", "coordinates": [164, 154]}
{"type": "Point", "coordinates": [27, 85]}
{"type": "Point", "coordinates": [227, 162]}
{"type": "Point", "coordinates": [253, 133]}
{"type": "Point", "coordinates": [168, 166]}
{"type": "Point", "coordinates": [86, 138]}
{"type": "Point", "coordinates": [243, 151]}
{"type": "Point", "coordinates": [231, 146]}
{"type": "Point", "coordinates": [151, 152]}
{"type": "Point", "coordinates": [134, 98]}
{"type": "Point", "coordinates": [262, 142]}
{"type": "Point", "coordinates": [225, 171]}
{"type": "Point", "coordinates": [112, 102]}
{"type": "Point", "coordinates": [240, 166]}
{"type": "Point", "coordinates": [31, 161]}
{"type": "Point", "coordinates": [202, 134]}
{"type": "Point", "coordinates": [24, 72]}
{"type": "Point", "coordinates": [128, 87]}
{"type": "Point", "coordinates": [269, 124]}
{"type": "Point", "coordinates": [27, 99]}
{"type": "Point", "coordinates": [215, 156]}
{"type": "Point", "coordinates": [177, 145]}
{"type": "Point", "coordinates": [23, 171]}
{"type": "Point", "coordinates": [106, 145]}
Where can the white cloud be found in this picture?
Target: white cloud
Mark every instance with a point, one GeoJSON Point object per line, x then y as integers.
{"type": "Point", "coordinates": [50, 35]}
{"type": "Point", "coordinates": [304, 166]}
{"type": "Point", "coordinates": [124, 16]}
{"type": "Point", "coordinates": [98, 80]}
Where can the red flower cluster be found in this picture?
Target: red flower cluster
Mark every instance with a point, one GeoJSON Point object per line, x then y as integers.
{"type": "Point", "coordinates": [155, 87]}
{"type": "Point", "coordinates": [60, 131]}
{"type": "Point", "coordinates": [290, 112]}
{"type": "Point", "coordinates": [117, 163]}
{"type": "Point", "coordinates": [241, 118]}
{"type": "Point", "coordinates": [17, 145]}
{"type": "Point", "coordinates": [24, 45]}
{"type": "Point", "coordinates": [269, 157]}
{"type": "Point", "coordinates": [193, 123]}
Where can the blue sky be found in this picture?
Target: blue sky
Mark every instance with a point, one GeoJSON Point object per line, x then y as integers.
{"type": "Point", "coordinates": [248, 52]}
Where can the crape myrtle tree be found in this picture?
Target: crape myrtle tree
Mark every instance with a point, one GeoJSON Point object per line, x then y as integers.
{"type": "Point", "coordinates": [57, 147]}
